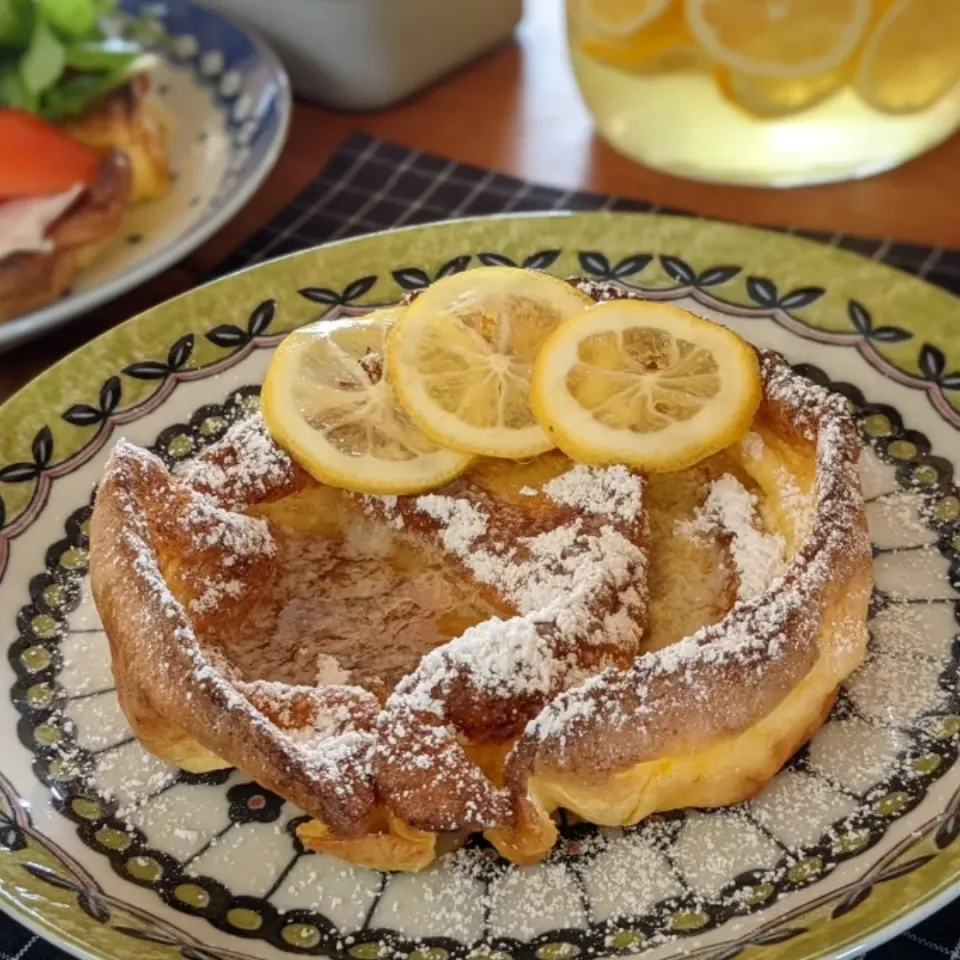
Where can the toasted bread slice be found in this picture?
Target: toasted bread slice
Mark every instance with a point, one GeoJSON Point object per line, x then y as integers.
{"type": "Point", "coordinates": [34, 279]}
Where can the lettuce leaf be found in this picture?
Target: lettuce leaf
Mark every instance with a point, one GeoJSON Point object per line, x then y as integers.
{"type": "Point", "coordinates": [57, 57]}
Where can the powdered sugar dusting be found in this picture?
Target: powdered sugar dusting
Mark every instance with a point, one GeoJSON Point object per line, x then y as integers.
{"type": "Point", "coordinates": [461, 522]}
{"type": "Point", "coordinates": [569, 586]}
{"type": "Point", "coordinates": [757, 556]}
{"type": "Point", "coordinates": [753, 445]}
{"type": "Point", "coordinates": [609, 491]}
{"type": "Point", "coordinates": [225, 538]}
{"type": "Point", "coordinates": [242, 468]}
{"type": "Point", "coordinates": [754, 638]}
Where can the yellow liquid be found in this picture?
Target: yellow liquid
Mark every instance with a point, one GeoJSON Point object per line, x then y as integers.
{"type": "Point", "coordinates": [688, 122]}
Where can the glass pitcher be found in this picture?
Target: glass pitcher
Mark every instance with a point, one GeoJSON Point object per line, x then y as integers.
{"type": "Point", "coordinates": [769, 92]}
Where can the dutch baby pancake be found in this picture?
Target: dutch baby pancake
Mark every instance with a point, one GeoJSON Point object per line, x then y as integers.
{"type": "Point", "coordinates": [415, 639]}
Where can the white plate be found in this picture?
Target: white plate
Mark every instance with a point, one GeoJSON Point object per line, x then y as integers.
{"type": "Point", "coordinates": [229, 98]}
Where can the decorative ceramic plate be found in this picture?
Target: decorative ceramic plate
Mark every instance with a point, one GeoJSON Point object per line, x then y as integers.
{"type": "Point", "coordinates": [229, 98]}
{"type": "Point", "coordinates": [117, 855]}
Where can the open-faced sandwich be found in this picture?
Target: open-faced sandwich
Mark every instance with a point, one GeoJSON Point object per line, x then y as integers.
{"type": "Point", "coordinates": [79, 142]}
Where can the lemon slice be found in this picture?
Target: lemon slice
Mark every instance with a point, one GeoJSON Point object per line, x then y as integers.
{"type": "Point", "coordinates": [616, 18]}
{"type": "Point", "coordinates": [769, 97]}
{"type": "Point", "coordinates": [462, 355]}
{"type": "Point", "coordinates": [779, 38]}
{"type": "Point", "coordinates": [665, 46]}
{"type": "Point", "coordinates": [646, 384]}
{"type": "Point", "coordinates": [326, 402]}
{"type": "Point", "coordinates": [912, 58]}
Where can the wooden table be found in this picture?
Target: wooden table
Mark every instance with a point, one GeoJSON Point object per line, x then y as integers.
{"type": "Point", "coordinates": [517, 111]}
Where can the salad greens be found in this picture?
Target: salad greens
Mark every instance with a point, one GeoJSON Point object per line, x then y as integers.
{"type": "Point", "coordinates": [58, 56]}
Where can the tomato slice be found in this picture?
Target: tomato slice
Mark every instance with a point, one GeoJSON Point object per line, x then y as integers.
{"type": "Point", "coordinates": [38, 159]}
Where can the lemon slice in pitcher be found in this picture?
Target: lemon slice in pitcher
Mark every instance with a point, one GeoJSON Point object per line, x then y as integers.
{"type": "Point", "coordinates": [771, 98]}
{"type": "Point", "coordinates": [325, 400]}
{"type": "Point", "coordinates": [616, 18]}
{"type": "Point", "coordinates": [912, 57]}
{"type": "Point", "coordinates": [462, 355]}
{"type": "Point", "coordinates": [646, 384]}
{"type": "Point", "coordinates": [779, 38]}
{"type": "Point", "coordinates": [663, 46]}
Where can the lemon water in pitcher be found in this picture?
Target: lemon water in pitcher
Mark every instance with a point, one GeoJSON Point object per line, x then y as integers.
{"type": "Point", "coordinates": [769, 92]}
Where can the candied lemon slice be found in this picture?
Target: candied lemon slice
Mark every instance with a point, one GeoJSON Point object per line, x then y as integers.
{"type": "Point", "coordinates": [325, 400]}
{"type": "Point", "coordinates": [616, 18]}
{"type": "Point", "coordinates": [462, 355]}
{"type": "Point", "coordinates": [646, 384]}
{"type": "Point", "coordinates": [912, 58]}
{"type": "Point", "coordinates": [779, 38]}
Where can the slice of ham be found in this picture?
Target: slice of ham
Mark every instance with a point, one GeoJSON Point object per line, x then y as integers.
{"type": "Point", "coordinates": [24, 222]}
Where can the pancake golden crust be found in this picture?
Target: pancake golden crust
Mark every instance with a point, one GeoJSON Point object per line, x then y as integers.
{"type": "Point", "coordinates": [550, 699]}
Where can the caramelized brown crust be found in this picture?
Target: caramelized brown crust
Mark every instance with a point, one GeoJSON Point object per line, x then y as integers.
{"type": "Point", "coordinates": [496, 729]}
{"type": "Point", "coordinates": [32, 280]}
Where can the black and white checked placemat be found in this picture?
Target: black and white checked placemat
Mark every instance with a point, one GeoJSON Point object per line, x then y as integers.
{"type": "Point", "coordinates": [373, 185]}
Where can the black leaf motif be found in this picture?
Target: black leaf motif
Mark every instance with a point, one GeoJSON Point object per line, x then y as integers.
{"type": "Point", "coordinates": [932, 362]}
{"type": "Point", "coordinates": [851, 901]}
{"type": "Point", "coordinates": [713, 276]}
{"type": "Point", "coordinates": [947, 832]}
{"type": "Point", "coordinates": [82, 415]}
{"type": "Point", "coordinates": [42, 447]}
{"type": "Point", "coordinates": [151, 936]}
{"type": "Point", "coordinates": [11, 836]}
{"type": "Point", "coordinates": [902, 869]}
{"type": "Point", "coordinates": [777, 936]}
{"type": "Point", "coordinates": [496, 260]}
{"type": "Point", "coordinates": [357, 288]}
{"type": "Point", "coordinates": [596, 263]}
{"type": "Point", "coordinates": [320, 295]}
{"type": "Point", "coordinates": [860, 318]}
{"type": "Point", "coordinates": [52, 877]}
{"type": "Point", "coordinates": [456, 265]}
{"type": "Point", "coordinates": [180, 352]}
{"type": "Point", "coordinates": [226, 335]}
{"type": "Point", "coordinates": [110, 395]}
{"type": "Point", "coordinates": [94, 907]}
{"type": "Point", "coordinates": [762, 291]}
{"type": "Point", "coordinates": [147, 370]}
{"type": "Point", "coordinates": [261, 318]}
{"type": "Point", "coordinates": [951, 381]}
{"type": "Point", "coordinates": [628, 266]}
{"type": "Point", "coordinates": [890, 335]}
{"type": "Point", "coordinates": [678, 269]}
{"type": "Point", "coordinates": [801, 297]}
{"type": "Point", "coordinates": [411, 278]}
{"type": "Point", "coordinates": [19, 473]}
{"type": "Point", "coordinates": [542, 260]}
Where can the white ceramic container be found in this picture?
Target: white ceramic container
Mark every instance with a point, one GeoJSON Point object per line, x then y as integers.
{"type": "Point", "coordinates": [366, 54]}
